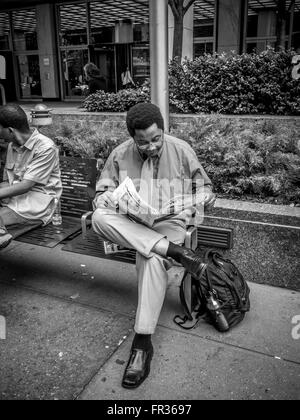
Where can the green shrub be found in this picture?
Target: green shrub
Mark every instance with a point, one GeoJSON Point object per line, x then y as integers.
{"type": "Point", "coordinates": [236, 84]}
{"type": "Point", "coordinates": [224, 84]}
{"type": "Point", "coordinates": [84, 140]}
{"type": "Point", "coordinates": [116, 102]}
{"type": "Point", "coordinates": [256, 160]}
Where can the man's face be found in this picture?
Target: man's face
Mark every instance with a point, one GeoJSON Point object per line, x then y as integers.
{"type": "Point", "coordinates": [149, 141]}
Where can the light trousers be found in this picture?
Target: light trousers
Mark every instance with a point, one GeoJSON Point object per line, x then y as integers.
{"type": "Point", "coordinates": [151, 268]}
{"type": "Point", "coordinates": [14, 223]}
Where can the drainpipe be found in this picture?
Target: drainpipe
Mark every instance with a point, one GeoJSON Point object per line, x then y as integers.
{"type": "Point", "coordinates": [159, 57]}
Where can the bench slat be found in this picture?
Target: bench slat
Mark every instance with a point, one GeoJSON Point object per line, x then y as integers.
{"type": "Point", "coordinates": [49, 236]}
{"type": "Point", "coordinates": [93, 246]}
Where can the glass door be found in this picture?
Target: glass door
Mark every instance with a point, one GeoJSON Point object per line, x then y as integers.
{"type": "Point", "coordinates": [73, 62]}
{"type": "Point", "coordinates": [104, 58]}
{"type": "Point", "coordinates": [73, 44]}
{"type": "Point", "coordinates": [26, 53]}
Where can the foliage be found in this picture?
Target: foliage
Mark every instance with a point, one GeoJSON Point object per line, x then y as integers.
{"type": "Point", "coordinates": [116, 102]}
{"type": "Point", "coordinates": [253, 160]}
{"type": "Point", "coordinates": [236, 84]}
{"type": "Point", "coordinates": [85, 140]}
{"type": "Point", "coordinates": [245, 159]}
{"type": "Point", "coordinates": [224, 84]}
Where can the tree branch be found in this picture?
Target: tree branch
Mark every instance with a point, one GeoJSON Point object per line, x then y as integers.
{"type": "Point", "coordinates": [186, 8]}
{"type": "Point", "coordinates": [174, 8]}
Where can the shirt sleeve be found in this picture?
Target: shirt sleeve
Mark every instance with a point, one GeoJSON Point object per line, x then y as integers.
{"type": "Point", "coordinates": [109, 179]}
{"type": "Point", "coordinates": [42, 165]}
{"type": "Point", "coordinates": [198, 174]}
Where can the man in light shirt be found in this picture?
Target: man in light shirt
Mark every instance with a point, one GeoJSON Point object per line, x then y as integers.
{"type": "Point", "coordinates": [162, 163]}
{"type": "Point", "coordinates": [31, 175]}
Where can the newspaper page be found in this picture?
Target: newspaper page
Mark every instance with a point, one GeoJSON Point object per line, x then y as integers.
{"type": "Point", "coordinates": [131, 204]}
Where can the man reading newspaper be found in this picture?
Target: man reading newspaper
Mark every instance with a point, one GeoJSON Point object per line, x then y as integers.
{"type": "Point", "coordinates": [150, 190]}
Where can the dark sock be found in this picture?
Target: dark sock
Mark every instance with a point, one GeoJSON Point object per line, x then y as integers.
{"type": "Point", "coordinates": [142, 341]}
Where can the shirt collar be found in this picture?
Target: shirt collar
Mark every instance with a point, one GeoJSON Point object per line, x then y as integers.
{"type": "Point", "coordinates": [32, 139]}
{"type": "Point", "coordinates": [29, 143]}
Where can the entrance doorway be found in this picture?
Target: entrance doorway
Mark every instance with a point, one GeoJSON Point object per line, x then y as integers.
{"type": "Point", "coordinates": [112, 60]}
{"type": "Point", "coordinates": [104, 58]}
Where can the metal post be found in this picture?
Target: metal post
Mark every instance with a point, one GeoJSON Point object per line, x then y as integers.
{"type": "Point", "coordinates": [159, 56]}
{"type": "Point", "coordinates": [2, 94]}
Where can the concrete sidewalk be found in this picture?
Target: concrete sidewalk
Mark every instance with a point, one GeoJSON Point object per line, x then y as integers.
{"type": "Point", "coordinates": [70, 326]}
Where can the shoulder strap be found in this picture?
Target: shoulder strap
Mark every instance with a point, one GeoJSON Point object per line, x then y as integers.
{"type": "Point", "coordinates": [183, 320]}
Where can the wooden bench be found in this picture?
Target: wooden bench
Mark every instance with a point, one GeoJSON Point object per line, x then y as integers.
{"type": "Point", "coordinates": [79, 183]}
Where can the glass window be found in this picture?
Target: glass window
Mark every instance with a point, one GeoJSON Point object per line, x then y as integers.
{"type": "Point", "coordinates": [105, 15]}
{"type": "Point", "coordinates": [73, 24]}
{"type": "Point", "coordinates": [29, 76]}
{"type": "Point", "coordinates": [252, 25]}
{"type": "Point", "coordinates": [102, 25]}
{"type": "Point", "coordinates": [73, 62]}
{"type": "Point", "coordinates": [204, 23]}
{"type": "Point", "coordinates": [262, 22]}
{"type": "Point", "coordinates": [203, 48]}
{"type": "Point", "coordinates": [141, 32]}
{"type": "Point", "coordinates": [4, 31]}
{"type": "Point", "coordinates": [204, 28]}
{"type": "Point", "coordinates": [24, 30]}
{"type": "Point", "coordinates": [140, 64]}
{"type": "Point", "coordinates": [296, 32]}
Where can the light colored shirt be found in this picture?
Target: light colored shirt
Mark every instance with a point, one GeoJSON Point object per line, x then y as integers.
{"type": "Point", "coordinates": [37, 161]}
{"type": "Point", "coordinates": [177, 166]}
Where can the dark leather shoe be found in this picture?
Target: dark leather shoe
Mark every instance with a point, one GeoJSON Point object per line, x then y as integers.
{"type": "Point", "coordinates": [192, 262]}
{"type": "Point", "coordinates": [138, 367]}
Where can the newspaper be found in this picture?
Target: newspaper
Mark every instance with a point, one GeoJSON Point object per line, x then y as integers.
{"type": "Point", "coordinates": [131, 204]}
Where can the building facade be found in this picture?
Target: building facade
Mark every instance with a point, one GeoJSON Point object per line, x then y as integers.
{"type": "Point", "coordinates": [47, 43]}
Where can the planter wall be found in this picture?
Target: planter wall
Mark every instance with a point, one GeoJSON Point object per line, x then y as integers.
{"type": "Point", "coordinates": [265, 245]}
{"type": "Point", "coordinates": [117, 120]}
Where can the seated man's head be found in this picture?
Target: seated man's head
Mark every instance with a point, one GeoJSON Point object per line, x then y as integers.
{"type": "Point", "coordinates": [146, 126]}
{"type": "Point", "coordinates": [14, 126]}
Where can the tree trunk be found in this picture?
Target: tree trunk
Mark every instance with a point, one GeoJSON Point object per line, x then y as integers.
{"type": "Point", "coordinates": [178, 37]}
{"type": "Point", "coordinates": [281, 25]}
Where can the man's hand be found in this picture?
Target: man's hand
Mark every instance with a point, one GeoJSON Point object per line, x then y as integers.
{"type": "Point", "coordinates": [210, 199]}
{"type": "Point", "coordinates": [106, 200]}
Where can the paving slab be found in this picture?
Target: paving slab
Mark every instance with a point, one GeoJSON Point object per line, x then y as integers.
{"type": "Point", "coordinates": [112, 286]}
{"type": "Point", "coordinates": [266, 329]}
{"type": "Point", "coordinates": [104, 284]}
{"type": "Point", "coordinates": [188, 367]}
{"type": "Point", "coordinates": [258, 359]}
{"type": "Point", "coordinates": [53, 348]}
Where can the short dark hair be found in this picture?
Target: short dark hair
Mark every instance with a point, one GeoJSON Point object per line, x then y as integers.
{"type": "Point", "coordinates": [142, 116]}
{"type": "Point", "coordinates": [12, 115]}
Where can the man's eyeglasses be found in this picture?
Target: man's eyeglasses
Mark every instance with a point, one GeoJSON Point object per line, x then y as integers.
{"type": "Point", "coordinates": [147, 145]}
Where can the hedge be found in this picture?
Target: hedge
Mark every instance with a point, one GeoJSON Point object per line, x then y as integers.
{"type": "Point", "coordinates": [225, 84]}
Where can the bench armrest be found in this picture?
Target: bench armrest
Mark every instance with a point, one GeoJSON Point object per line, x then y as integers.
{"type": "Point", "coordinates": [87, 216]}
{"type": "Point", "coordinates": [191, 239]}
